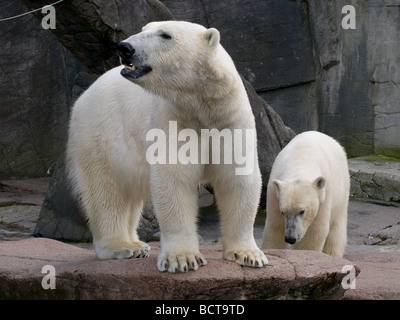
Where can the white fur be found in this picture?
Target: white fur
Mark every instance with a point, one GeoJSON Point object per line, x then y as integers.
{"type": "Point", "coordinates": [311, 174]}
{"type": "Point", "coordinates": [194, 82]}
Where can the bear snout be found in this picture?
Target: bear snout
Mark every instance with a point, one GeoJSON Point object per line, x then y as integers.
{"type": "Point", "coordinates": [290, 239]}
{"type": "Point", "coordinates": [125, 50]}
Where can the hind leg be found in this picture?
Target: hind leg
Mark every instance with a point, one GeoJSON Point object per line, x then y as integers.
{"type": "Point", "coordinates": [113, 219]}
{"type": "Point", "coordinates": [115, 236]}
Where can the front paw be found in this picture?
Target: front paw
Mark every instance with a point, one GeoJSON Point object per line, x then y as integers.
{"type": "Point", "coordinates": [180, 262]}
{"type": "Point", "coordinates": [247, 257]}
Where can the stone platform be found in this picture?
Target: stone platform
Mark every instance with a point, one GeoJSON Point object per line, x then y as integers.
{"type": "Point", "coordinates": [80, 275]}
{"type": "Point", "coordinates": [373, 246]}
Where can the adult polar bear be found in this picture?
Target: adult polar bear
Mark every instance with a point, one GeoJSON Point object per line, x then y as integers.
{"type": "Point", "coordinates": [178, 71]}
{"type": "Point", "coordinates": [308, 196]}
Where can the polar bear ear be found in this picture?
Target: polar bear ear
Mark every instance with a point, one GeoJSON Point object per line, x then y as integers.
{"type": "Point", "coordinates": [212, 37]}
{"type": "Point", "coordinates": [278, 186]}
{"type": "Point", "coordinates": [320, 182]}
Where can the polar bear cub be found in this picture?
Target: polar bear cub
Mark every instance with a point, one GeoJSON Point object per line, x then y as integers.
{"type": "Point", "coordinates": [308, 195]}
{"type": "Point", "coordinates": [174, 72]}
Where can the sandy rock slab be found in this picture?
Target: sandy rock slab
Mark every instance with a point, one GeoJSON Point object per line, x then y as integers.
{"type": "Point", "coordinates": [379, 278]}
{"type": "Point", "coordinates": [79, 275]}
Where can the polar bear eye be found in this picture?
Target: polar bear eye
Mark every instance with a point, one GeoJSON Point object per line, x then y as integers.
{"type": "Point", "coordinates": [282, 213]}
{"type": "Point", "coordinates": [302, 212]}
{"type": "Point", "coordinates": [165, 36]}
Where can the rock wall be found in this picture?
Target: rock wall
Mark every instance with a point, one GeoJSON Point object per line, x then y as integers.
{"type": "Point", "coordinates": [296, 54]}
{"type": "Point", "coordinates": [41, 73]}
{"type": "Point", "coordinates": [358, 74]}
{"type": "Point", "coordinates": [36, 80]}
{"type": "Point", "coordinates": [314, 73]}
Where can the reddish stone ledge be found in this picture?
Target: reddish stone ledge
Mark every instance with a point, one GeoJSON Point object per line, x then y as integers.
{"type": "Point", "coordinates": [80, 275]}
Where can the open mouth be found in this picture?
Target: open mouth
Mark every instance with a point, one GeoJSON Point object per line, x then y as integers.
{"type": "Point", "coordinates": [130, 66]}
{"type": "Point", "coordinates": [133, 72]}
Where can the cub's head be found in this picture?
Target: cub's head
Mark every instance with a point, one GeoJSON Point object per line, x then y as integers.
{"type": "Point", "coordinates": [299, 202]}
{"type": "Point", "coordinates": [170, 55]}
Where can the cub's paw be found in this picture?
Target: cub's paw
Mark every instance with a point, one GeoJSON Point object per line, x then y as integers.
{"type": "Point", "coordinates": [247, 257]}
{"type": "Point", "coordinates": [180, 262]}
{"type": "Point", "coordinates": [136, 249]}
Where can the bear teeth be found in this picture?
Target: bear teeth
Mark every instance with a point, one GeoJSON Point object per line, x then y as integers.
{"type": "Point", "coordinates": [132, 67]}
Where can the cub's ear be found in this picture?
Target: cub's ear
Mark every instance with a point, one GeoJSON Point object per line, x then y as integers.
{"type": "Point", "coordinates": [278, 186]}
{"type": "Point", "coordinates": [212, 37]}
{"type": "Point", "coordinates": [320, 183]}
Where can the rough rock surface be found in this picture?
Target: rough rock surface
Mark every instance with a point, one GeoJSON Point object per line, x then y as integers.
{"type": "Point", "coordinates": [272, 134]}
{"type": "Point", "coordinates": [379, 278]}
{"type": "Point", "coordinates": [41, 74]}
{"type": "Point", "coordinates": [36, 78]}
{"type": "Point", "coordinates": [271, 45]}
{"type": "Point", "coordinates": [91, 29]}
{"type": "Point", "coordinates": [60, 216]}
{"type": "Point", "coordinates": [375, 180]}
{"type": "Point", "coordinates": [79, 275]}
{"type": "Point", "coordinates": [314, 73]}
{"type": "Point", "coordinates": [296, 54]}
{"type": "Point", "coordinates": [373, 242]}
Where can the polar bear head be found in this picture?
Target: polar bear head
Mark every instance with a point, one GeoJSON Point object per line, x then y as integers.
{"type": "Point", "coordinates": [176, 56]}
{"type": "Point", "coordinates": [299, 202]}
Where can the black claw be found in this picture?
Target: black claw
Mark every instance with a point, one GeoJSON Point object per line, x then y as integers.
{"type": "Point", "coordinates": [251, 261]}
{"type": "Point", "coordinates": [193, 264]}
{"type": "Point", "coordinates": [176, 269]}
{"type": "Point", "coordinates": [245, 259]}
{"type": "Point", "coordinates": [185, 268]}
{"type": "Point", "coordinates": [257, 264]}
{"type": "Point", "coordinates": [200, 260]}
{"type": "Point", "coordinates": [235, 255]}
{"type": "Point", "coordinates": [165, 265]}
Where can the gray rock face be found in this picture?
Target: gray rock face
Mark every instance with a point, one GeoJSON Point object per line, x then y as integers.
{"type": "Point", "coordinates": [271, 45]}
{"type": "Point", "coordinates": [92, 29]}
{"type": "Point", "coordinates": [375, 180]}
{"type": "Point", "coordinates": [60, 216]}
{"type": "Point", "coordinates": [314, 73]}
{"type": "Point", "coordinates": [296, 54]}
{"type": "Point", "coordinates": [36, 78]}
{"type": "Point", "coordinates": [40, 77]}
{"type": "Point", "coordinates": [272, 134]}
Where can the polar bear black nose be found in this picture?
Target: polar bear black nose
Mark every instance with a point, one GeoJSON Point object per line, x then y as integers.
{"type": "Point", "coordinates": [125, 49]}
{"type": "Point", "coordinates": [290, 240]}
